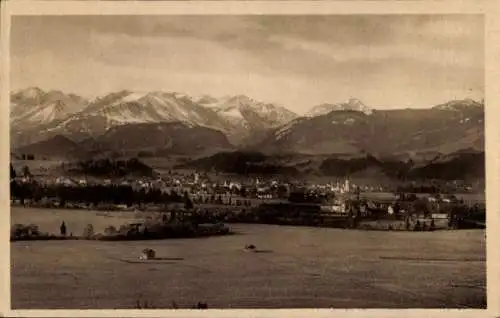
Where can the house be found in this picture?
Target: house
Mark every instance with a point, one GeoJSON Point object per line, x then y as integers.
{"type": "Point", "coordinates": [66, 181]}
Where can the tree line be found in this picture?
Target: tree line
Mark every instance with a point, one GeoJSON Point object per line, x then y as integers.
{"type": "Point", "coordinates": [93, 194]}
{"type": "Point", "coordinates": [117, 168]}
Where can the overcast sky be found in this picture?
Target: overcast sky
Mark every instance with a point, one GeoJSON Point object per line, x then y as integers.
{"type": "Point", "coordinates": [297, 61]}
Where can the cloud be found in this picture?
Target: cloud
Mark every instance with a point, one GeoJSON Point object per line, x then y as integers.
{"type": "Point", "coordinates": [403, 51]}
{"type": "Point", "coordinates": [298, 61]}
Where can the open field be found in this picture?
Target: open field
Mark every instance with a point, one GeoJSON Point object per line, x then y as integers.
{"type": "Point", "coordinates": [304, 267]}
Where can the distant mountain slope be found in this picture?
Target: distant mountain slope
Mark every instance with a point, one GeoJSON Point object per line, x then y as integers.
{"type": "Point", "coordinates": [441, 129]}
{"type": "Point", "coordinates": [164, 138]}
{"type": "Point", "coordinates": [129, 140]}
{"type": "Point", "coordinates": [56, 147]}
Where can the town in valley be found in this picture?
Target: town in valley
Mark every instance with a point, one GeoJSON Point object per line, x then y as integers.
{"type": "Point", "coordinates": [146, 175]}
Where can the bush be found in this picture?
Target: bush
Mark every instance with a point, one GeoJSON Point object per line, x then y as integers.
{"type": "Point", "coordinates": [88, 232]}
{"type": "Point", "coordinates": [17, 230]}
{"type": "Point", "coordinates": [124, 229]}
{"type": "Point", "coordinates": [21, 231]}
{"type": "Point", "coordinates": [33, 230]}
{"type": "Point", "coordinates": [417, 226]}
{"type": "Point", "coordinates": [110, 230]}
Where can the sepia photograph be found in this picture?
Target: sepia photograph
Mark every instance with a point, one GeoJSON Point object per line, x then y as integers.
{"type": "Point", "coordinates": [247, 161]}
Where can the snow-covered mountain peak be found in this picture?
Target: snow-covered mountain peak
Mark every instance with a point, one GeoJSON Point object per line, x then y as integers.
{"type": "Point", "coordinates": [132, 97]}
{"type": "Point", "coordinates": [206, 100]}
{"type": "Point", "coordinates": [243, 99]}
{"type": "Point", "coordinates": [33, 106]}
{"type": "Point", "coordinates": [355, 103]}
{"type": "Point", "coordinates": [351, 104]}
{"type": "Point", "coordinates": [237, 115]}
{"type": "Point", "coordinates": [29, 93]}
{"type": "Point", "coordinates": [459, 104]}
{"type": "Point", "coordinates": [244, 102]}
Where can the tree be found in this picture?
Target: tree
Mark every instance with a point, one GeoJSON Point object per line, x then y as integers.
{"type": "Point", "coordinates": [243, 192]}
{"type": "Point", "coordinates": [188, 204]}
{"type": "Point", "coordinates": [12, 172]}
{"type": "Point", "coordinates": [22, 192]}
{"type": "Point", "coordinates": [417, 226]}
{"type": "Point", "coordinates": [26, 171]}
{"type": "Point", "coordinates": [88, 232]}
{"type": "Point", "coordinates": [37, 193]}
{"type": "Point", "coordinates": [407, 223]}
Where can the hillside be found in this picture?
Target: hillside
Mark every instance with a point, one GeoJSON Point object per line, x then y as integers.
{"type": "Point", "coordinates": [406, 131]}
{"type": "Point", "coordinates": [164, 138]}
{"type": "Point", "coordinates": [244, 163]}
{"type": "Point", "coordinates": [462, 165]}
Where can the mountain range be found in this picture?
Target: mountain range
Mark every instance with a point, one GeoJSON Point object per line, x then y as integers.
{"type": "Point", "coordinates": [238, 117]}
{"type": "Point", "coordinates": [162, 123]}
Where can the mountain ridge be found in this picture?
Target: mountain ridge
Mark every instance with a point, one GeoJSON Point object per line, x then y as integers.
{"type": "Point", "coordinates": [381, 132]}
{"type": "Point", "coordinates": [347, 128]}
{"type": "Point", "coordinates": [126, 107]}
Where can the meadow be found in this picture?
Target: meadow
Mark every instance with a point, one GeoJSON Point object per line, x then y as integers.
{"type": "Point", "coordinates": [298, 267]}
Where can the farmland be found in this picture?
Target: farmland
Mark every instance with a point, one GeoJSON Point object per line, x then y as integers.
{"type": "Point", "coordinates": [303, 267]}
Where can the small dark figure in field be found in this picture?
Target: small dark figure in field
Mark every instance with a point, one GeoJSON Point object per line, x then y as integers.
{"type": "Point", "coordinates": [63, 229]}
{"type": "Point", "coordinates": [250, 247]}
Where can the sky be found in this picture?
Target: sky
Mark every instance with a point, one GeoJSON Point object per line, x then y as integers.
{"type": "Point", "coordinates": [386, 61]}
